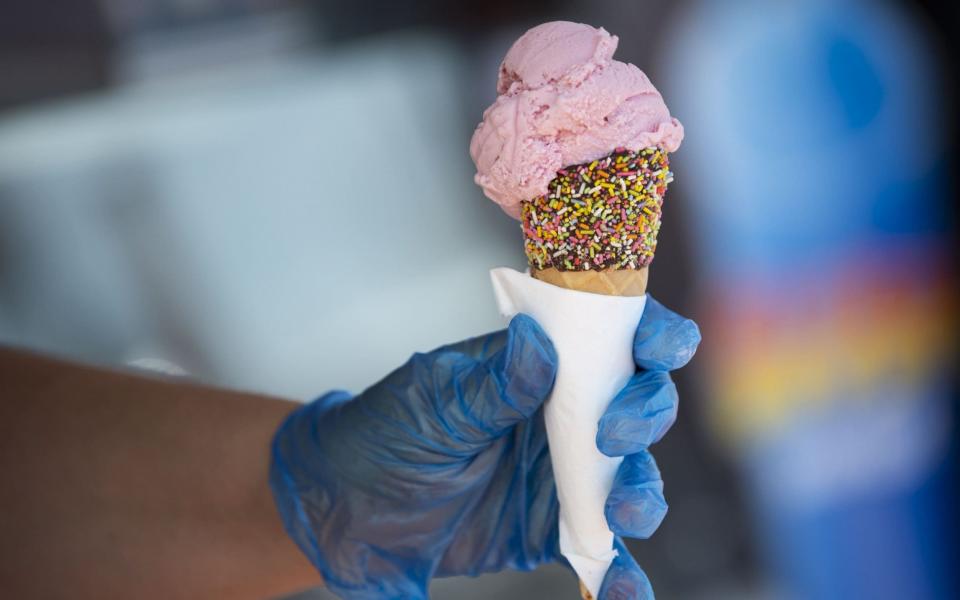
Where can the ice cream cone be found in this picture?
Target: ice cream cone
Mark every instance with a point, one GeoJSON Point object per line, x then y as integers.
{"type": "Point", "coordinates": [590, 223]}
{"type": "Point", "coordinates": [624, 282]}
{"type": "Point", "coordinates": [596, 229]}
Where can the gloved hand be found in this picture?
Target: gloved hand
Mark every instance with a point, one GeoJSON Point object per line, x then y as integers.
{"type": "Point", "coordinates": [442, 468]}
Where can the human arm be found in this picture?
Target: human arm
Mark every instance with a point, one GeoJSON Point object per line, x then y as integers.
{"type": "Point", "coordinates": [117, 485]}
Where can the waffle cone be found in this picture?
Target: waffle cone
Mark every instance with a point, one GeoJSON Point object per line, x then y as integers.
{"type": "Point", "coordinates": [624, 282]}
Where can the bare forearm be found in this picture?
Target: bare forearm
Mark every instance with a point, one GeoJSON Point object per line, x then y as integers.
{"type": "Point", "coordinates": [115, 485]}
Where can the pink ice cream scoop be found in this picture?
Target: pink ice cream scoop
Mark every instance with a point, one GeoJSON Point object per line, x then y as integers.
{"type": "Point", "coordinates": [563, 101]}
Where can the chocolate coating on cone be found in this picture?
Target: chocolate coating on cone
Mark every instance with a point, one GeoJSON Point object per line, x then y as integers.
{"type": "Point", "coordinates": [599, 216]}
{"type": "Point", "coordinates": [625, 282]}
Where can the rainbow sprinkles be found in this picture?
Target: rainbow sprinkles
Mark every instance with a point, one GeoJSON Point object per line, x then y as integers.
{"type": "Point", "coordinates": [600, 215]}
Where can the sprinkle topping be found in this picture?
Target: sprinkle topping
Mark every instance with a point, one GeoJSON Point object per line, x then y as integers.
{"type": "Point", "coordinates": [599, 215]}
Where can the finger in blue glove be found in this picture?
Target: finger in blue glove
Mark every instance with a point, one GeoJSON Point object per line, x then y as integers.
{"type": "Point", "coordinates": [664, 341]}
{"type": "Point", "coordinates": [625, 580]}
{"type": "Point", "coordinates": [640, 414]}
{"type": "Point", "coordinates": [636, 506]}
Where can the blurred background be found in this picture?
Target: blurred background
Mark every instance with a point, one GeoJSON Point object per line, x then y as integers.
{"type": "Point", "coordinates": [277, 196]}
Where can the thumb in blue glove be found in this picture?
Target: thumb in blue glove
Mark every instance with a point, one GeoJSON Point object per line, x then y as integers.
{"type": "Point", "coordinates": [437, 469]}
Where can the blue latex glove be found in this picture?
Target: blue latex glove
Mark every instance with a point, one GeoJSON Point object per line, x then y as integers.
{"type": "Point", "coordinates": [442, 468]}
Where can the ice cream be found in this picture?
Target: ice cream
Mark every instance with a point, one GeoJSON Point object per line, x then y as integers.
{"type": "Point", "coordinates": [575, 146]}
{"type": "Point", "coordinates": [563, 100]}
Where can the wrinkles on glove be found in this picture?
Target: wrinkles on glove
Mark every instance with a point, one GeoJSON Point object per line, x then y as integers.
{"type": "Point", "coordinates": [441, 468]}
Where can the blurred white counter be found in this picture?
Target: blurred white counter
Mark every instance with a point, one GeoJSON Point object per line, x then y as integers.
{"type": "Point", "coordinates": [286, 227]}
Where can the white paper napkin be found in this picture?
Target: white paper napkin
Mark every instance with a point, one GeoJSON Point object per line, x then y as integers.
{"type": "Point", "coordinates": [593, 336]}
